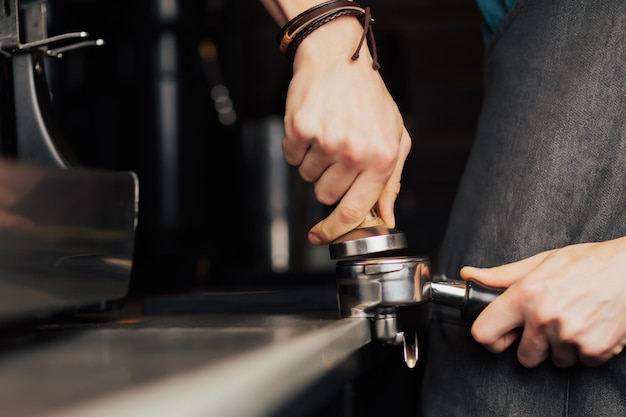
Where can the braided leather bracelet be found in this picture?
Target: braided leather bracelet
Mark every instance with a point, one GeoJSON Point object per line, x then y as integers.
{"type": "Point", "coordinates": [293, 33]}
{"type": "Point", "coordinates": [287, 32]}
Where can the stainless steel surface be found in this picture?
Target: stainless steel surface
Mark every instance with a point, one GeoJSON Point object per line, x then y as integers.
{"type": "Point", "coordinates": [385, 325]}
{"type": "Point", "coordinates": [371, 236]}
{"type": "Point", "coordinates": [368, 287]}
{"type": "Point", "coordinates": [367, 240]}
{"type": "Point", "coordinates": [446, 292]}
{"type": "Point", "coordinates": [242, 365]}
{"type": "Point", "coordinates": [370, 284]}
{"type": "Point", "coordinates": [66, 239]}
{"type": "Point", "coordinates": [376, 288]}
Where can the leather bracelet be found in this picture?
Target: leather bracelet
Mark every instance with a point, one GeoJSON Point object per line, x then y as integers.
{"type": "Point", "coordinates": [293, 33]}
{"type": "Point", "coordinates": [287, 32]}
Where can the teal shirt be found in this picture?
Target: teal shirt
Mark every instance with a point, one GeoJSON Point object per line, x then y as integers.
{"type": "Point", "coordinates": [493, 12]}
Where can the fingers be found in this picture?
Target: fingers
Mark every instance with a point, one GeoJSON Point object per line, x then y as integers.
{"type": "Point", "coordinates": [504, 276]}
{"type": "Point", "coordinates": [534, 347]}
{"type": "Point", "coordinates": [350, 211]}
{"type": "Point", "coordinates": [295, 146]}
{"type": "Point", "coordinates": [501, 342]}
{"type": "Point", "coordinates": [499, 324]}
{"type": "Point", "coordinates": [354, 173]}
{"type": "Point", "coordinates": [376, 182]}
{"type": "Point", "coordinates": [595, 355]}
{"type": "Point", "coordinates": [387, 199]}
{"type": "Point", "coordinates": [549, 296]}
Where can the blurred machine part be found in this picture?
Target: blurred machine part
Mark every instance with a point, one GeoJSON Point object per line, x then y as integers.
{"type": "Point", "coordinates": [144, 102]}
{"type": "Point", "coordinates": [66, 240]}
{"type": "Point", "coordinates": [29, 130]}
{"type": "Point", "coordinates": [66, 232]}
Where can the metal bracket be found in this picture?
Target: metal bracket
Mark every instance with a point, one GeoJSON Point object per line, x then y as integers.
{"type": "Point", "coordinates": [24, 41]}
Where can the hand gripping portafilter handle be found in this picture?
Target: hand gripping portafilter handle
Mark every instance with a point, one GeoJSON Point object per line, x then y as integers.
{"type": "Point", "coordinates": [470, 297]}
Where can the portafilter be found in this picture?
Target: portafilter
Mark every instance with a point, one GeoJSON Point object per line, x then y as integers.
{"type": "Point", "coordinates": [377, 287]}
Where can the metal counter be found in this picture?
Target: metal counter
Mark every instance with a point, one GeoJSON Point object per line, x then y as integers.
{"type": "Point", "coordinates": [183, 365]}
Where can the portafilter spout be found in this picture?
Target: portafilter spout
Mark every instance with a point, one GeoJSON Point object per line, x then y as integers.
{"type": "Point", "coordinates": [371, 236]}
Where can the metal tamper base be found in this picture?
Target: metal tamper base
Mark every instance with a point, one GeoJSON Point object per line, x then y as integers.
{"type": "Point", "coordinates": [363, 241]}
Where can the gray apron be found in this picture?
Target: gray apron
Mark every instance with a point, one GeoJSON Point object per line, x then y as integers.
{"type": "Point", "coordinates": [548, 169]}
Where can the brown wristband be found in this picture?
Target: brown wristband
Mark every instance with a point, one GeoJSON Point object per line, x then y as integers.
{"type": "Point", "coordinates": [293, 33]}
{"type": "Point", "coordinates": [288, 31]}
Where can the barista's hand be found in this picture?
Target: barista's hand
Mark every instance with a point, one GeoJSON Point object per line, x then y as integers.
{"type": "Point", "coordinates": [570, 303]}
{"type": "Point", "coordinates": [343, 129]}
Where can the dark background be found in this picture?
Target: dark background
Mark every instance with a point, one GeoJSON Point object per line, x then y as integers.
{"type": "Point", "coordinates": [203, 207]}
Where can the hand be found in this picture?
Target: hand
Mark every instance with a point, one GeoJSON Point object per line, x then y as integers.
{"type": "Point", "coordinates": [568, 304]}
{"type": "Point", "coordinates": [343, 130]}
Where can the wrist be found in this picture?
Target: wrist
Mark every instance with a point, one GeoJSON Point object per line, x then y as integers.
{"type": "Point", "coordinates": [329, 26]}
{"type": "Point", "coordinates": [294, 8]}
{"type": "Point", "coordinates": [335, 40]}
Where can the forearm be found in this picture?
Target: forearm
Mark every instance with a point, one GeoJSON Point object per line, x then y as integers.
{"type": "Point", "coordinates": [284, 10]}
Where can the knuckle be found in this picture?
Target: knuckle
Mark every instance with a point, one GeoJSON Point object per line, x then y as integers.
{"type": "Point", "coordinates": [325, 196]}
{"type": "Point", "coordinates": [570, 332]}
{"type": "Point", "coordinates": [299, 124]}
{"type": "Point", "coordinates": [324, 233]}
{"type": "Point", "coordinates": [563, 362]}
{"type": "Point", "coordinates": [530, 289]}
{"type": "Point", "coordinates": [594, 349]}
{"type": "Point", "coordinates": [479, 334]}
{"type": "Point", "coordinates": [306, 176]}
{"type": "Point", "coordinates": [292, 159]}
{"type": "Point", "coordinates": [527, 361]}
{"type": "Point", "coordinates": [386, 159]}
{"type": "Point", "coordinates": [349, 214]}
{"type": "Point", "coordinates": [492, 342]}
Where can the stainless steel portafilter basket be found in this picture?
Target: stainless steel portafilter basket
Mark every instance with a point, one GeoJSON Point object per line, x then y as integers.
{"type": "Point", "coordinates": [377, 287]}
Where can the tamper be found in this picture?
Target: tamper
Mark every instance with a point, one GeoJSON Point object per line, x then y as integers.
{"type": "Point", "coordinates": [371, 236]}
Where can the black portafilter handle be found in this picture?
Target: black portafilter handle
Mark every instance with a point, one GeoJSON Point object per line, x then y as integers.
{"type": "Point", "coordinates": [477, 297]}
{"type": "Point", "coordinates": [470, 297]}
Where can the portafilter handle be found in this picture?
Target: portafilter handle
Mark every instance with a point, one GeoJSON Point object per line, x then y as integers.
{"type": "Point", "coordinates": [470, 297]}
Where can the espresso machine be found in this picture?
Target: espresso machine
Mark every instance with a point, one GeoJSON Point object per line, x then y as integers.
{"type": "Point", "coordinates": [66, 231]}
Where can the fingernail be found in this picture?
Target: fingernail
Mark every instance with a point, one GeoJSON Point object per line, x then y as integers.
{"type": "Point", "coordinates": [314, 239]}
